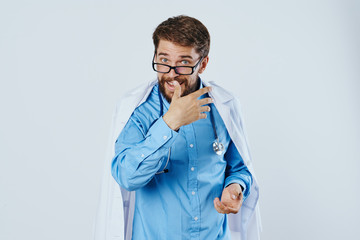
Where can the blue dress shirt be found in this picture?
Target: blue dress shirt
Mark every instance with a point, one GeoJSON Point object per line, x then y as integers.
{"type": "Point", "coordinates": [177, 204]}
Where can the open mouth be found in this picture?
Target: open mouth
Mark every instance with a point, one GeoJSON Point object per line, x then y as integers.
{"type": "Point", "coordinates": [170, 85]}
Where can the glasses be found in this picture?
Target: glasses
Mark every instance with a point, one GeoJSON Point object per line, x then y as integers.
{"type": "Point", "coordinates": [181, 70]}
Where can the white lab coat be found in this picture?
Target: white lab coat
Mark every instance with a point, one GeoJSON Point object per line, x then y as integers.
{"type": "Point", "coordinates": [116, 205]}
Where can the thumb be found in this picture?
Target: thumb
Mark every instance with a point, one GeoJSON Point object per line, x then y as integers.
{"type": "Point", "coordinates": [177, 92]}
{"type": "Point", "coordinates": [234, 191]}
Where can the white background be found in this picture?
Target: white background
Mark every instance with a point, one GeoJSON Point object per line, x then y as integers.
{"type": "Point", "coordinates": [294, 65]}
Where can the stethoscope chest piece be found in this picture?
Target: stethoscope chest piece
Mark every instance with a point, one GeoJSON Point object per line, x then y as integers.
{"type": "Point", "coordinates": [218, 147]}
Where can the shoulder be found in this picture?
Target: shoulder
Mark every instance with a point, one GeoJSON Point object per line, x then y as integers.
{"type": "Point", "coordinates": [220, 93]}
{"type": "Point", "coordinates": [135, 97]}
{"type": "Point", "coordinates": [222, 90]}
{"type": "Point", "coordinates": [148, 109]}
{"type": "Point", "coordinates": [128, 102]}
{"type": "Point", "coordinates": [140, 106]}
{"type": "Point", "coordinates": [138, 92]}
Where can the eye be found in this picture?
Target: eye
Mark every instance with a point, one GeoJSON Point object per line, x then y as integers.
{"type": "Point", "coordinates": [164, 60]}
{"type": "Point", "coordinates": [185, 62]}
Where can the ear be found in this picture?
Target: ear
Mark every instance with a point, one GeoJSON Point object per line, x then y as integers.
{"type": "Point", "coordinates": [204, 64]}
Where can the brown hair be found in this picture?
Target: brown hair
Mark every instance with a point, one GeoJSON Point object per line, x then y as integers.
{"type": "Point", "coordinates": [184, 31]}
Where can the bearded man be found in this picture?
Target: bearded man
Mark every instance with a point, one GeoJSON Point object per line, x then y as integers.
{"type": "Point", "coordinates": [180, 156]}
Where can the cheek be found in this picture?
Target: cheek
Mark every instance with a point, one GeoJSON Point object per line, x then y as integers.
{"type": "Point", "coordinates": [192, 82]}
{"type": "Point", "coordinates": [185, 85]}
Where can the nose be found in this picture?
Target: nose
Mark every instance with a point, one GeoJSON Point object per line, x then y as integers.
{"type": "Point", "coordinates": [172, 73]}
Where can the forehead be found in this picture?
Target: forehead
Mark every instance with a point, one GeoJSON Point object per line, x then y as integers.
{"type": "Point", "coordinates": [173, 50]}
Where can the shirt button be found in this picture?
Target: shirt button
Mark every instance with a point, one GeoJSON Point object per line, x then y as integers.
{"type": "Point", "coordinates": [164, 137]}
{"type": "Point", "coordinates": [192, 169]}
{"type": "Point", "coordinates": [142, 155]}
{"type": "Point", "coordinates": [191, 145]}
{"type": "Point", "coordinates": [196, 218]}
{"type": "Point", "coordinates": [193, 193]}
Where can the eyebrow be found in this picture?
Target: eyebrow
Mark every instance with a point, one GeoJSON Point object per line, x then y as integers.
{"type": "Point", "coordinates": [182, 56]}
{"type": "Point", "coordinates": [186, 56]}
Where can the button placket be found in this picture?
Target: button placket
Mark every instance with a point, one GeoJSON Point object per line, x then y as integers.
{"type": "Point", "coordinates": [193, 181]}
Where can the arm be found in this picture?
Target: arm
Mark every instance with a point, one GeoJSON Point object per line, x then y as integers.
{"type": "Point", "coordinates": [236, 170]}
{"type": "Point", "coordinates": [139, 154]}
{"type": "Point", "coordinates": [238, 180]}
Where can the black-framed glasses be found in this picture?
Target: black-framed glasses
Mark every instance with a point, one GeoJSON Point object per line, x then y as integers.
{"type": "Point", "coordinates": [181, 70]}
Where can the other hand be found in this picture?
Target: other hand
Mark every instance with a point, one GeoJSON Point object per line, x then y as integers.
{"type": "Point", "coordinates": [231, 199]}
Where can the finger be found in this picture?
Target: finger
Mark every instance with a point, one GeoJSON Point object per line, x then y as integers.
{"type": "Point", "coordinates": [241, 198]}
{"type": "Point", "coordinates": [201, 91]}
{"type": "Point", "coordinates": [222, 208]}
{"type": "Point", "coordinates": [235, 190]}
{"type": "Point", "coordinates": [231, 210]}
{"type": "Point", "coordinates": [226, 208]}
{"type": "Point", "coordinates": [218, 205]}
{"type": "Point", "coordinates": [202, 115]}
{"type": "Point", "coordinates": [234, 194]}
{"type": "Point", "coordinates": [177, 92]}
{"type": "Point", "coordinates": [205, 101]}
{"type": "Point", "coordinates": [205, 109]}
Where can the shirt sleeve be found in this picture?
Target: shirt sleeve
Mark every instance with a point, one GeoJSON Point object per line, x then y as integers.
{"type": "Point", "coordinates": [236, 170]}
{"type": "Point", "coordinates": [139, 155]}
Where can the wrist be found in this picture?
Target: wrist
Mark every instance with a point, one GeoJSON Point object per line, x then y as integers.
{"type": "Point", "coordinates": [171, 122]}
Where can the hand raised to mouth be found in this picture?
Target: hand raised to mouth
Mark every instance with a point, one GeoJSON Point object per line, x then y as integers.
{"type": "Point", "coordinates": [187, 109]}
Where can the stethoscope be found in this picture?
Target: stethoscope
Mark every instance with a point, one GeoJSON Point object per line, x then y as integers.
{"type": "Point", "coordinates": [218, 147]}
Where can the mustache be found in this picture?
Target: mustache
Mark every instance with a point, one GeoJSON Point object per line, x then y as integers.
{"type": "Point", "coordinates": [178, 79]}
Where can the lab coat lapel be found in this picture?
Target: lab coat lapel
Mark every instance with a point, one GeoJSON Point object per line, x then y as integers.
{"type": "Point", "coordinates": [222, 101]}
{"type": "Point", "coordinates": [229, 111]}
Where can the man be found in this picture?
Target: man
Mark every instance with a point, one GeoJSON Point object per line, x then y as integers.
{"type": "Point", "coordinates": [176, 160]}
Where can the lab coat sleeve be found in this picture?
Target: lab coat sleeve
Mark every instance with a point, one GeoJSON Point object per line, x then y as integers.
{"type": "Point", "coordinates": [139, 154]}
{"type": "Point", "coordinates": [236, 170]}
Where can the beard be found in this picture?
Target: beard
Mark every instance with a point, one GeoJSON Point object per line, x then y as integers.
{"type": "Point", "coordinates": [186, 89]}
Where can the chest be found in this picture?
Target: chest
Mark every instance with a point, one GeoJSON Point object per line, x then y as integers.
{"type": "Point", "coordinates": [196, 139]}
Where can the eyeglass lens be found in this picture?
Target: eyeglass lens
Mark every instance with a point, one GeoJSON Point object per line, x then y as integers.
{"type": "Point", "coordinates": [179, 70]}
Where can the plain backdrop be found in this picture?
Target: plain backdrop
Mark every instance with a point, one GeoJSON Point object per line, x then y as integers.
{"type": "Point", "coordinates": [293, 64]}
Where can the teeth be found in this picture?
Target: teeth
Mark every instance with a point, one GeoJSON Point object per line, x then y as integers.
{"type": "Point", "coordinates": [172, 83]}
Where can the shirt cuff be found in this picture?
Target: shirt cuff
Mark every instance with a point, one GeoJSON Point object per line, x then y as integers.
{"type": "Point", "coordinates": [161, 131]}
